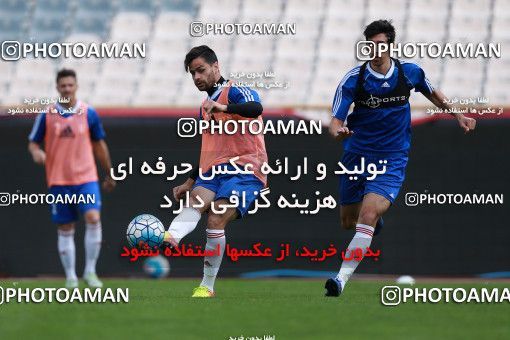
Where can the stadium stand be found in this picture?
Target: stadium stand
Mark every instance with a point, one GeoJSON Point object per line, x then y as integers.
{"type": "Point", "coordinates": [312, 61]}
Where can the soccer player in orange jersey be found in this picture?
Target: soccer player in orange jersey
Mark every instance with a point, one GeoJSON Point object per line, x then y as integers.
{"type": "Point", "coordinates": [72, 135]}
{"type": "Point", "coordinates": [225, 101]}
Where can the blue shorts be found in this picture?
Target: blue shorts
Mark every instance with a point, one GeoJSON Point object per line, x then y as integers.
{"type": "Point", "coordinates": [387, 184]}
{"type": "Point", "coordinates": [226, 185]}
{"type": "Point", "coordinates": [62, 213]}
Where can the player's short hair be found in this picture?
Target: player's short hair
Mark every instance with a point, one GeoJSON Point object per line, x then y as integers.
{"type": "Point", "coordinates": [380, 26]}
{"type": "Point", "coordinates": [65, 72]}
{"type": "Point", "coordinates": [203, 51]}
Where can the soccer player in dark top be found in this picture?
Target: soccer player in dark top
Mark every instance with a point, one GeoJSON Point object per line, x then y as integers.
{"type": "Point", "coordinates": [378, 129]}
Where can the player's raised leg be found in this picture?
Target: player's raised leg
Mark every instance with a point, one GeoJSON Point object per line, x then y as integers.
{"type": "Point", "coordinates": [372, 208]}
{"type": "Point", "coordinates": [188, 218]}
{"type": "Point", "coordinates": [67, 253]}
{"type": "Point", "coordinates": [215, 239]}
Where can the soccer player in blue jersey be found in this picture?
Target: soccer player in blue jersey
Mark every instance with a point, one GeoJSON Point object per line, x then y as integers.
{"type": "Point", "coordinates": [379, 128]}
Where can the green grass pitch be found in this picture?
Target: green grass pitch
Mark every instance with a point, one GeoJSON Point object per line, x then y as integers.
{"type": "Point", "coordinates": [283, 308]}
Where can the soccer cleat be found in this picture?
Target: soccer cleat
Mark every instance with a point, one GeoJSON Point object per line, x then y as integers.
{"type": "Point", "coordinates": [378, 226]}
{"type": "Point", "coordinates": [333, 287]}
{"type": "Point", "coordinates": [72, 283]}
{"type": "Point", "coordinates": [92, 280]}
{"type": "Point", "coordinates": [168, 239]}
{"type": "Point", "coordinates": [202, 292]}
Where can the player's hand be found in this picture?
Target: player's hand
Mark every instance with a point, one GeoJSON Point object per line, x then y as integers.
{"type": "Point", "coordinates": [180, 190]}
{"type": "Point", "coordinates": [211, 106]}
{"type": "Point", "coordinates": [39, 157]}
{"type": "Point", "coordinates": [342, 133]}
{"type": "Point", "coordinates": [467, 124]}
{"type": "Point", "coordinates": [109, 184]}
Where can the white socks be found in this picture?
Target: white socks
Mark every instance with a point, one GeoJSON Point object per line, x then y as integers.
{"type": "Point", "coordinates": [67, 252]}
{"type": "Point", "coordinates": [212, 264]}
{"type": "Point", "coordinates": [361, 239]}
{"type": "Point", "coordinates": [67, 249]}
{"type": "Point", "coordinates": [93, 238]}
{"type": "Point", "coordinates": [184, 223]}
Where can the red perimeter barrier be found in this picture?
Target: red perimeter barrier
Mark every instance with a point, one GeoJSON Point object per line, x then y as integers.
{"type": "Point", "coordinates": [176, 112]}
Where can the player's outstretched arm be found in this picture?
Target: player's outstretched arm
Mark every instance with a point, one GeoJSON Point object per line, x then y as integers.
{"type": "Point", "coordinates": [337, 129]}
{"type": "Point", "coordinates": [102, 155]}
{"type": "Point", "coordinates": [38, 154]}
{"type": "Point", "coordinates": [440, 100]}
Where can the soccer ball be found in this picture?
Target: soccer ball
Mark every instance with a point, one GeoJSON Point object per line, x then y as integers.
{"type": "Point", "coordinates": [156, 267]}
{"type": "Point", "coordinates": [145, 230]}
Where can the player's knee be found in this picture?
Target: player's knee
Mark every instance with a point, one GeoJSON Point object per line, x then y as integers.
{"type": "Point", "coordinates": [215, 222]}
{"type": "Point", "coordinates": [92, 217]}
{"type": "Point", "coordinates": [66, 227]}
{"type": "Point", "coordinates": [198, 205]}
{"type": "Point", "coordinates": [368, 217]}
